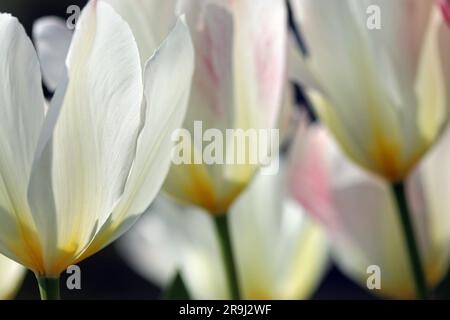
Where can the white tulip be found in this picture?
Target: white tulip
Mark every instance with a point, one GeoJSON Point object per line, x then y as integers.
{"type": "Point", "coordinates": [383, 93]}
{"type": "Point", "coordinates": [76, 178]}
{"type": "Point", "coordinates": [359, 213]}
{"type": "Point", "coordinates": [279, 252]}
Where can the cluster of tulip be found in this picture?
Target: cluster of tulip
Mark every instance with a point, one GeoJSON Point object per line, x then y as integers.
{"type": "Point", "coordinates": [365, 185]}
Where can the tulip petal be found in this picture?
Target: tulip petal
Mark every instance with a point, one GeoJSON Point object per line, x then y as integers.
{"type": "Point", "coordinates": [167, 85]}
{"type": "Point", "coordinates": [433, 79]}
{"type": "Point", "coordinates": [52, 39]}
{"type": "Point", "coordinates": [259, 62]}
{"type": "Point", "coordinates": [396, 46]}
{"type": "Point", "coordinates": [150, 21]}
{"type": "Point", "coordinates": [212, 88]}
{"type": "Point", "coordinates": [434, 175]}
{"type": "Point", "coordinates": [83, 168]}
{"type": "Point", "coordinates": [271, 248]}
{"type": "Point", "coordinates": [168, 77]}
{"type": "Point", "coordinates": [11, 277]}
{"type": "Point", "coordinates": [22, 114]}
{"type": "Point", "coordinates": [210, 101]}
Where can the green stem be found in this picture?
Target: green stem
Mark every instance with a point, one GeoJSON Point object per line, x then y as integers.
{"type": "Point", "coordinates": [223, 232]}
{"type": "Point", "coordinates": [48, 287]}
{"type": "Point", "coordinates": [399, 192]}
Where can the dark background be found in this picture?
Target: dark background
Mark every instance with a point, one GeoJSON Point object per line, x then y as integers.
{"type": "Point", "coordinates": [106, 275]}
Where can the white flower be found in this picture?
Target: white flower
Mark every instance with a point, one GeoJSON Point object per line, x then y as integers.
{"type": "Point", "coordinates": [279, 252]}
{"type": "Point", "coordinates": [359, 214]}
{"type": "Point", "coordinates": [76, 178]}
{"type": "Point", "coordinates": [383, 93]}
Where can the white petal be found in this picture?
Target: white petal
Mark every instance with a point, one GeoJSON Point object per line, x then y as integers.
{"type": "Point", "coordinates": [150, 21]}
{"type": "Point", "coordinates": [433, 79]}
{"type": "Point", "coordinates": [11, 276]}
{"type": "Point", "coordinates": [21, 117]}
{"type": "Point", "coordinates": [273, 240]}
{"type": "Point", "coordinates": [396, 47]}
{"type": "Point", "coordinates": [167, 84]}
{"type": "Point", "coordinates": [82, 172]}
{"type": "Point", "coordinates": [434, 174]}
{"type": "Point", "coordinates": [52, 39]}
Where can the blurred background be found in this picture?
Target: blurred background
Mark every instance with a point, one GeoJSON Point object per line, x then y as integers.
{"type": "Point", "coordinates": [106, 275]}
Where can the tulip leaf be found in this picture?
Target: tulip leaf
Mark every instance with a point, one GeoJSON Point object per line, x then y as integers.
{"type": "Point", "coordinates": [177, 289]}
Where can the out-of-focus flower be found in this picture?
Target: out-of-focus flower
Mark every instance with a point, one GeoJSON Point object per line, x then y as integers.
{"type": "Point", "coordinates": [238, 81]}
{"type": "Point", "coordinates": [358, 212]}
{"type": "Point", "coordinates": [279, 252]}
{"type": "Point", "coordinates": [11, 277]}
{"type": "Point", "coordinates": [381, 90]}
{"type": "Point", "coordinates": [75, 178]}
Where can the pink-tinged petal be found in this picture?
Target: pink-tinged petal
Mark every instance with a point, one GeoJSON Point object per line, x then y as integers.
{"type": "Point", "coordinates": [445, 8]}
{"type": "Point", "coordinates": [259, 61]}
{"type": "Point", "coordinates": [238, 83]}
{"type": "Point", "coordinates": [309, 179]}
{"type": "Point", "coordinates": [212, 93]}
{"type": "Point", "coordinates": [240, 61]}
